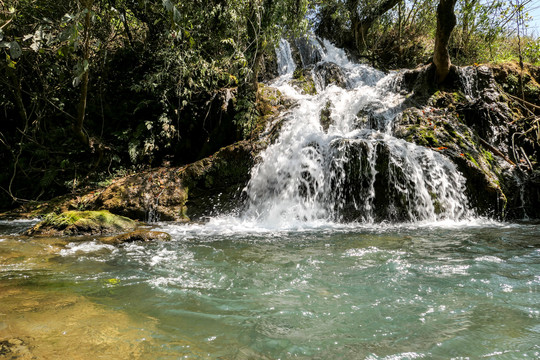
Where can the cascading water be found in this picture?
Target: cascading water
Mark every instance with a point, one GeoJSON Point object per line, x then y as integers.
{"type": "Point", "coordinates": [285, 61]}
{"type": "Point", "coordinates": [353, 168]}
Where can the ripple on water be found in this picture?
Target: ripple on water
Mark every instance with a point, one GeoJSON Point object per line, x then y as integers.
{"type": "Point", "coordinates": [78, 248]}
{"type": "Point", "coordinates": [381, 293]}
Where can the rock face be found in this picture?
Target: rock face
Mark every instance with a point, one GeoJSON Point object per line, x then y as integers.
{"type": "Point", "coordinates": [330, 73]}
{"type": "Point", "coordinates": [178, 194]}
{"type": "Point", "coordinates": [473, 119]}
{"type": "Point", "coordinates": [82, 223]}
{"type": "Point", "coordinates": [475, 124]}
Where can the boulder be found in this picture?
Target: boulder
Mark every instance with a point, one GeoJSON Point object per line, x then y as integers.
{"type": "Point", "coordinates": [329, 73]}
{"type": "Point", "coordinates": [82, 223]}
{"type": "Point", "coordinates": [309, 50]}
{"type": "Point", "coordinates": [303, 81]}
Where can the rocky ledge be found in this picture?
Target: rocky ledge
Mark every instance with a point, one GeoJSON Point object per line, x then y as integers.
{"type": "Point", "coordinates": [478, 121]}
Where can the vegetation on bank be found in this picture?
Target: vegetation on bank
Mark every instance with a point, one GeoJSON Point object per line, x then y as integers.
{"type": "Point", "coordinates": [96, 88]}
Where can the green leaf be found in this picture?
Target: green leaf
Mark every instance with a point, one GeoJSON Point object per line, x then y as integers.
{"type": "Point", "coordinates": [10, 62]}
{"type": "Point", "coordinates": [15, 50]}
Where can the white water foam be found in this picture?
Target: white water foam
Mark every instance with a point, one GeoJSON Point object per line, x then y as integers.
{"type": "Point", "coordinates": [77, 248]}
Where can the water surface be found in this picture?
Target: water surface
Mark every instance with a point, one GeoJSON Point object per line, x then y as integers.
{"type": "Point", "coordinates": [438, 291]}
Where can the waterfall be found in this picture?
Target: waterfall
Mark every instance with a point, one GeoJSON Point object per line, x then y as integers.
{"type": "Point", "coordinates": [349, 166]}
{"type": "Point", "coordinates": [285, 61]}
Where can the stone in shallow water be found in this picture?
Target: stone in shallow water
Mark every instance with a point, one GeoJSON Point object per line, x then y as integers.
{"type": "Point", "coordinates": [138, 235]}
{"type": "Point", "coordinates": [14, 349]}
{"type": "Point", "coordinates": [82, 223]}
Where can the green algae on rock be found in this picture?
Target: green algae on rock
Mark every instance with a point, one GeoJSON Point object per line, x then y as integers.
{"type": "Point", "coordinates": [82, 223]}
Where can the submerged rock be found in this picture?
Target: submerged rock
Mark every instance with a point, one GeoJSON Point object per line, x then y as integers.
{"type": "Point", "coordinates": [15, 348]}
{"type": "Point", "coordinates": [137, 235]}
{"type": "Point", "coordinates": [82, 223]}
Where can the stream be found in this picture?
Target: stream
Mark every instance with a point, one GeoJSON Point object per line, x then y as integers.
{"type": "Point", "coordinates": [437, 291]}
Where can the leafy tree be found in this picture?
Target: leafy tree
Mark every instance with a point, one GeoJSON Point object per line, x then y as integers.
{"type": "Point", "coordinates": [362, 19]}
{"type": "Point", "coordinates": [93, 85]}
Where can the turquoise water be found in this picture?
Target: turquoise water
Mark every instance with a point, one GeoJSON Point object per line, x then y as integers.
{"type": "Point", "coordinates": [434, 291]}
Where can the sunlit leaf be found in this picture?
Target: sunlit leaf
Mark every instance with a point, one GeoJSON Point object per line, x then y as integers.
{"type": "Point", "coordinates": [10, 62]}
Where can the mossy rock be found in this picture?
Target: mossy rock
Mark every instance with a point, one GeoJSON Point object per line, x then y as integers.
{"type": "Point", "coordinates": [137, 235]}
{"type": "Point", "coordinates": [82, 223]}
{"type": "Point", "coordinates": [303, 81]}
{"type": "Point", "coordinates": [325, 115]}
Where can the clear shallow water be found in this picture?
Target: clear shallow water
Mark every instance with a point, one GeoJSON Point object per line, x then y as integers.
{"type": "Point", "coordinates": [437, 291]}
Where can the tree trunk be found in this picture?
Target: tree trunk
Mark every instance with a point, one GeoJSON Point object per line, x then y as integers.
{"type": "Point", "coordinates": [446, 21]}
{"type": "Point", "coordinates": [81, 109]}
{"type": "Point", "coordinates": [17, 93]}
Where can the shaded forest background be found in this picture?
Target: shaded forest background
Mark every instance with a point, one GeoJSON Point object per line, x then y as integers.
{"type": "Point", "coordinates": [93, 89]}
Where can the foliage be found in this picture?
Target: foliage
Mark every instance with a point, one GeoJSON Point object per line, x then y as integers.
{"type": "Point", "coordinates": [93, 86]}
{"type": "Point", "coordinates": [531, 51]}
{"type": "Point", "coordinates": [404, 35]}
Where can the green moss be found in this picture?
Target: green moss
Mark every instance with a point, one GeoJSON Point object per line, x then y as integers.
{"type": "Point", "coordinates": [325, 115]}
{"type": "Point", "coordinates": [309, 88]}
{"type": "Point", "coordinates": [459, 97]}
{"type": "Point", "coordinates": [512, 80]}
{"type": "Point", "coordinates": [306, 84]}
{"type": "Point", "coordinates": [82, 222]}
{"type": "Point", "coordinates": [532, 91]}
{"type": "Point", "coordinates": [427, 137]}
{"type": "Point", "coordinates": [101, 216]}
{"type": "Point", "coordinates": [488, 156]}
{"type": "Point", "coordinates": [472, 159]}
